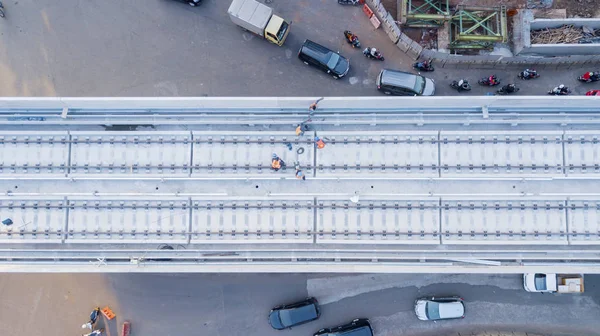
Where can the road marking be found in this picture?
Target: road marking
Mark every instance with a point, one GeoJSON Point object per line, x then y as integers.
{"type": "Point", "coordinates": [353, 80]}
{"type": "Point", "coordinates": [333, 289]}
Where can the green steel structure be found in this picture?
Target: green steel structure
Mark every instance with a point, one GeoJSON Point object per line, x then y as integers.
{"type": "Point", "coordinates": [477, 27]}
{"type": "Point", "coordinates": [424, 13]}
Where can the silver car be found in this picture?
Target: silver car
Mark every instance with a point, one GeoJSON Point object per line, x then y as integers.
{"type": "Point", "coordinates": [439, 308]}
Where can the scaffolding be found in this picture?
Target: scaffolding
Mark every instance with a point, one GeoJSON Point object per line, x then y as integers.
{"type": "Point", "coordinates": [424, 13]}
{"type": "Point", "coordinates": [477, 27]}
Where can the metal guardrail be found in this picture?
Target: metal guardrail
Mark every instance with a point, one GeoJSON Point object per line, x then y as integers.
{"type": "Point", "coordinates": [326, 116]}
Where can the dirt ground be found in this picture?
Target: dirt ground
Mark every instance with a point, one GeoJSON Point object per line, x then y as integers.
{"type": "Point", "coordinates": [581, 8]}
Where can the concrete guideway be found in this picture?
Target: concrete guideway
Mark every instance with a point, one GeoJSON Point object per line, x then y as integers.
{"type": "Point", "coordinates": [521, 178]}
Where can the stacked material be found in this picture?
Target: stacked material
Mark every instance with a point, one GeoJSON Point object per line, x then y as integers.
{"type": "Point", "coordinates": [567, 34]}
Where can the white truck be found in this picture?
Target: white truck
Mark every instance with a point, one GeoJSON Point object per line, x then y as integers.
{"type": "Point", "coordinates": [260, 20]}
{"type": "Point", "coordinates": [551, 283]}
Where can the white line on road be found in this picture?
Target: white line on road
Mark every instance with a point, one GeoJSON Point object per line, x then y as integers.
{"type": "Point", "coordinates": [333, 289]}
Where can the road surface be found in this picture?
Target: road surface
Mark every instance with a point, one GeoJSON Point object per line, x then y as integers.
{"type": "Point", "coordinates": [228, 304]}
{"type": "Point", "coordinates": [167, 48]}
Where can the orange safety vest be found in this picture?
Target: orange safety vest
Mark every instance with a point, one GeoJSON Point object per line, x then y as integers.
{"type": "Point", "coordinates": [276, 164]}
{"type": "Point", "coordinates": [320, 144]}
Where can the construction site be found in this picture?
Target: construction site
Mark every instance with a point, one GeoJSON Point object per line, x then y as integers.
{"type": "Point", "coordinates": [471, 27]}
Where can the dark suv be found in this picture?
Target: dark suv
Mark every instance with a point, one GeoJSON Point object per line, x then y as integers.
{"type": "Point", "coordinates": [358, 327]}
{"type": "Point", "coordinates": [287, 316]}
{"type": "Point", "coordinates": [312, 53]}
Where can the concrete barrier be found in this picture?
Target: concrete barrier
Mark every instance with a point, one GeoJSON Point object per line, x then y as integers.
{"type": "Point", "coordinates": [391, 28]}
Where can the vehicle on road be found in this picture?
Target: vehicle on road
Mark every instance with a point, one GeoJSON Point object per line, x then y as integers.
{"type": "Point", "coordinates": [489, 81]}
{"type": "Point", "coordinates": [439, 308]}
{"type": "Point", "coordinates": [528, 74]}
{"type": "Point", "coordinates": [424, 66]}
{"type": "Point", "coordinates": [589, 77]}
{"type": "Point", "coordinates": [560, 90]}
{"type": "Point", "coordinates": [2, 11]}
{"type": "Point", "coordinates": [312, 53]}
{"type": "Point", "coordinates": [461, 85]}
{"type": "Point", "coordinates": [352, 39]}
{"type": "Point", "coordinates": [192, 3]}
{"type": "Point", "coordinates": [508, 89]}
{"type": "Point", "coordinates": [400, 83]}
{"type": "Point", "coordinates": [373, 53]}
{"type": "Point", "coordinates": [260, 20]}
{"type": "Point", "coordinates": [551, 282]}
{"type": "Point", "coordinates": [358, 327]}
{"type": "Point", "coordinates": [289, 315]}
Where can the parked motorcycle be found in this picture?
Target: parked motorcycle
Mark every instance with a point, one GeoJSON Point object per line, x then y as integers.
{"type": "Point", "coordinates": [508, 89]}
{"type": "Point", "coordinates": [348, 2]}
{"type": "Point", "coordinates": [423, 66]}
{"type": "Point", "coordinates": [372, 53]}
{"type": "Point", "coordinates": [461, 85]}
{"type": "Point", "coordinates": [589, 77]}
{"type": "Point", "coordinates": [528, 74]}
{"type": "Point", "coordinates": [560, 90]}
{"type": "Point", "coordinates": [352, 39]}
{"type": "Point", "coordinates": [489, 81]}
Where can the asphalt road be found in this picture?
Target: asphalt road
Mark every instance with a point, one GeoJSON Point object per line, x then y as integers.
{"type": "Point", "coordinates": [166, 48]}
{"type": "Point", "coordinates": [186, 304]}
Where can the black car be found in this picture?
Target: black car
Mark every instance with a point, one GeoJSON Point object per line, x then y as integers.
{"type": "Point", "coordinates": [287, 316]}
{"type": "Point", "coordinates": [358, 327]}
{"type": "Point", "coordinates": [312, 53]}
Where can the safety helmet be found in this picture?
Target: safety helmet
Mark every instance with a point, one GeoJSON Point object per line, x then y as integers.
{"type": "Point", "coordinates": [374, 50]}
{"type": "Point", "coordinates": [561, 86]}
{"type": "Point", "coordinates": [591, 73]}
{"type": "Point", "coordinates": [274, 156]}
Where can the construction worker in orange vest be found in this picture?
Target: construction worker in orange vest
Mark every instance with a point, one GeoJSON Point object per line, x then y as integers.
{"type": "Point", "coordinates": [320, 143]}
{"type": "Point", "coordinates": [276, 162]}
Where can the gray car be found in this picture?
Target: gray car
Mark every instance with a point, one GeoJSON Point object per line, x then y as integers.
{"type": "Point", "coordinates": [439, 308]}
{"type": "Point", "coordinates": [400, 83]}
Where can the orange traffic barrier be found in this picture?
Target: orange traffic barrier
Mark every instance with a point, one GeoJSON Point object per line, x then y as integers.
{"type": "Point", "coordinates": [108, 313]}
{"type": "Point", "coordinates": [126, 330]}
{"type": "Point", "coordinates": [367, 10]}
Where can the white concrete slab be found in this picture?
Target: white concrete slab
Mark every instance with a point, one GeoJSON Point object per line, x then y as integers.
{"type": "Point", "coordinates": [128, 220]}
{"type": "Point", "coordinates": [130, 153]}
{"type": "Point", "coordinates": [582, 150]}
{"type": "Point", "coordinates": [584, 221]}
{"type": "Point", "coordinates": [378, 221]}
{"type": "Point", "coordinates": [503, 221]}
{"type": "Point", "coordinates": [33, 153]}
{"type": "Point", "coordinates": [35, 220]}
{"type": "Point", "coordinates": [378, 154]}
{"type": "Point", "coordinates": [496, 154]}
{"type": "Point", "coordinates": [252, 220]}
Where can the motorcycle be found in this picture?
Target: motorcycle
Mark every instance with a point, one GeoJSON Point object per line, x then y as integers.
{"type": "Point", "coordinates": [489, 81]}
{"type": "Point", "coordinates": [461, 85]}
{"type": "Point", "coordinates": [593, 93]}
{"type": "Point", "coordinates": [348, 2]}
{"type": "Point", "coordinates": [508, 89]}
{"type": "Point", "coordinates": [423, 66]}
{"type": "Point", "coordinates": [368, 52]}
{"type": "Point", "coordinates": [96, 332]}
{"type": "Point", "coordinates": [2, 10]}
{"type": "Point", "coordinates": [528, 74]}
{"type": "Point", "coordinates": [589, 77]}
{"type": "Point", "coordinates": [352, 39]}
{"type": "Point", "coordinates": [560, 90]}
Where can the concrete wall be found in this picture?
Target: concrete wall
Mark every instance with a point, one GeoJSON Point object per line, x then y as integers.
{"type": "Point", "coordinates": [525, 23]}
